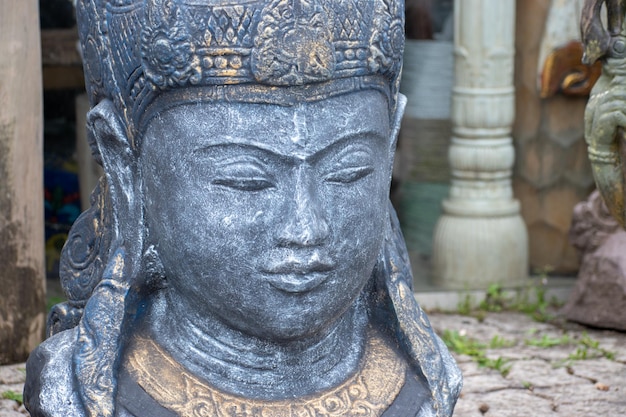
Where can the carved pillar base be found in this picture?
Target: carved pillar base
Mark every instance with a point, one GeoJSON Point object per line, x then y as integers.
{"type": "Point", "coordinates": [474, 252]}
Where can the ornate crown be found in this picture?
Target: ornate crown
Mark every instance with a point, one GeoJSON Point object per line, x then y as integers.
{"type": "Point", "coordinates": [134, 50]}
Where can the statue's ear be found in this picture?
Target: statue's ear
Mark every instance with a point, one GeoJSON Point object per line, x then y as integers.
{"type": "Point", "coordinates": [395, 122]}
{"type": "Point", "coordinates": [112, 149]}
{"type": "Point", "coordinates": [102, 326]}
{"type": "Point", "coordinates": [107, 137]}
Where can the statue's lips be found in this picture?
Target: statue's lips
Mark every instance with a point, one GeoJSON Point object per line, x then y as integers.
{"type": "Point", "coordinates": [295, 283]}
{"type": "Point", "coordinates": [297, 275]}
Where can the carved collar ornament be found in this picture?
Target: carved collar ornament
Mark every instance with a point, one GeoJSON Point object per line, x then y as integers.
{"type": "Point", "coordinates": [135, 50]}
{"type": "Point", "coordinates": [370, 391]}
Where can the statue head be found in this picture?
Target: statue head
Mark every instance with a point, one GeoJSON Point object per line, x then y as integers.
{"type": "Point", "coordinates": [247, 147]}
{"type": "Point", "coordinates": [240, 141]}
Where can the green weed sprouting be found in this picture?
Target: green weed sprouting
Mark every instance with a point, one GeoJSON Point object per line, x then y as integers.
{"type": "Point", "coordinates": [532, 301]}
{"type": "Point", "coordinates": [546, 341]}
{"type": "Point", "coordinates": [14, 396]}
{"type": "Point", "coordinates": [589, 348]}
{"type": "Point", "coordinates": [464, 345]}
{"type": "Point", "coordinates": [585, 347]}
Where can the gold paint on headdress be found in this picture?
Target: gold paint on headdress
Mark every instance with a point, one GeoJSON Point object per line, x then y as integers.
{"type": "Point", "coordinates": [134, 50]}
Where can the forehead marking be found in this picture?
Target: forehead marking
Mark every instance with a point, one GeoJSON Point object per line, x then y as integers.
{"type": "Point", "coordinates": [299, 123]}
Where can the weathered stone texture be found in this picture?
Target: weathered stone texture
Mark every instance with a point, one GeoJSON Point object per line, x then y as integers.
{"type": "Point", "coordinates": [542, 381]}
{"type": "Point", "coordinates": [21, 206]}
{"type": "Point", "coordinates": [599, 298]}
{"type": "Point", "coordinates": [552, 172]}
{"type": "Point", "coordinates": [10, 408]}
{"type": "Point", "coordinates": [11, 381]}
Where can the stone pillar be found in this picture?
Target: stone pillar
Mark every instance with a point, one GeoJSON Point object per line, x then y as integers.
{"type": "Point", "coordinates": [481, 239]}
{"type": "Point", "coordinates": [22, 283]}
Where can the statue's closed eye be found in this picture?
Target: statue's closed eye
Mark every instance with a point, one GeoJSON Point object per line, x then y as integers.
{"type": "Point", "coordinates": [243, 176]}
{"type": "Point", "coordinates": [349, 174]}
{"type": "Point", "coordinates": [350, 166]}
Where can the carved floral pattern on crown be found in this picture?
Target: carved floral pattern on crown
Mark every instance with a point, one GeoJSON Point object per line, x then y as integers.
{"type": "Point", "coordinates": [293, 44]}
{"type": "Point", "coordinates": [133, 49]}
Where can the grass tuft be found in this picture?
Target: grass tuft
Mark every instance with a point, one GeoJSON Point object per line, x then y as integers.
{"type": "Point", "coordinates": [14, 396]}
{"type": "Point", "coordinates": [464, 345]}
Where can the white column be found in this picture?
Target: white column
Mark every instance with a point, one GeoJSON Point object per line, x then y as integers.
{"type": "Point", "coordinates": [481, 238]}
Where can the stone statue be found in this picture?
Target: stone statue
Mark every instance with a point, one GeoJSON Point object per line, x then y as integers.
{"type": "Point", "coordinates": [240, 257]}
{"type": "Point", "coordinates": [598, 298]}
{"type": "Point", "coordinates": [605, 117]}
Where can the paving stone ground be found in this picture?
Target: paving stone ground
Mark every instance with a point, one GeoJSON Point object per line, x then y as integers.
{"type": "Point", "coordinates": [11, 382]}
{"type": "Point", "coordinates": [541, 381]}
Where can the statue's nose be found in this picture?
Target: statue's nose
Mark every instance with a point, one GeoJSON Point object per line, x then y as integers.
{"type": "Point", "coordinates": [305, 222]}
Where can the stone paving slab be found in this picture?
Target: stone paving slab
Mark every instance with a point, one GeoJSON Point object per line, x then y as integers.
{"type": "Point", "coordinates": [541, 382]}
{"type": "Point", "coordinates": [12, 379]}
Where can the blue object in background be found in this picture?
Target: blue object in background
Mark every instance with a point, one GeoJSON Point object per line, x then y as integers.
{"type": "Point", "coordinates": [62, 207]}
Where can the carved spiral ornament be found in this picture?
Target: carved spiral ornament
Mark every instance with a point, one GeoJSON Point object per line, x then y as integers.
{"type": "Point", "coordinates": [84, 255]}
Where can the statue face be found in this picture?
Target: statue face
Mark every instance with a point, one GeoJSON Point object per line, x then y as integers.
{"type": "Point", "coordinates": [269, 218]}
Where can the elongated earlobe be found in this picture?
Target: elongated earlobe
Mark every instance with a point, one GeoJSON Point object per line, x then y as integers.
{"type": "Point", "coordinates": [107, 137]}
{"type": "Point", "coordinates": [396, 122]}
{"type": "Point", "coordinates": [101, 329]}
{"type": "Point", "coordinates": [112, 147]}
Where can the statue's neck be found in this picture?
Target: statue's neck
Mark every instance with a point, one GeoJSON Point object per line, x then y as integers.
{"type": "Point", "coordinates": [252, 367]}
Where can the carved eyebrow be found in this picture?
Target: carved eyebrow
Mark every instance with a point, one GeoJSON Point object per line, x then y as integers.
{"type": "Point", "coordinates": [245, 143]}
{"type": "Point", "coordinates": [254, 147]}
{"type": "Point", "coordinates": [351, 150]}
{"type": "Point", "coordinates": [233, 141]}
{"type": "Point", "coordinates": [238, 159]}
{"type": "Point", "coordinates": [343, 145]}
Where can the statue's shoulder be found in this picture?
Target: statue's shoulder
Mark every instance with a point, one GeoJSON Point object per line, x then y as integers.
{"type": "Point", "coordinates": [413, 400]}
{"type": "Point", "coordinates": [49, 390]}
{"type": "Point", "coordinates": [415, 397]}
{"type": "Point", "coordinates": [412, 397]}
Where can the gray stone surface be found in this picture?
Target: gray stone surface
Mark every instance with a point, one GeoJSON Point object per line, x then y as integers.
{"type": "Point", "coordinates": [242, 233]}
{"type": "Point", "coordinates": [599, 298]}
{"type": "Point", "coordinates": [541, 381]}
{"type": "Point", "coordinates": [11, 379]}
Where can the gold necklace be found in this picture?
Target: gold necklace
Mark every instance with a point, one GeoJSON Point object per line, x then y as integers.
{"type": "Point", "coordinates": [368, 393]}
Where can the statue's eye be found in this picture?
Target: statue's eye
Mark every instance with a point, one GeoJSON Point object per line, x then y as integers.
{"type": "Point", "coordinates": [244, 184]}
{"type": "Point", "coordinates": [349, 175]}
{"type": "Point", "coordinates": [349, 165]}
{"type": "Point", "coordinates": [244, 177]}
